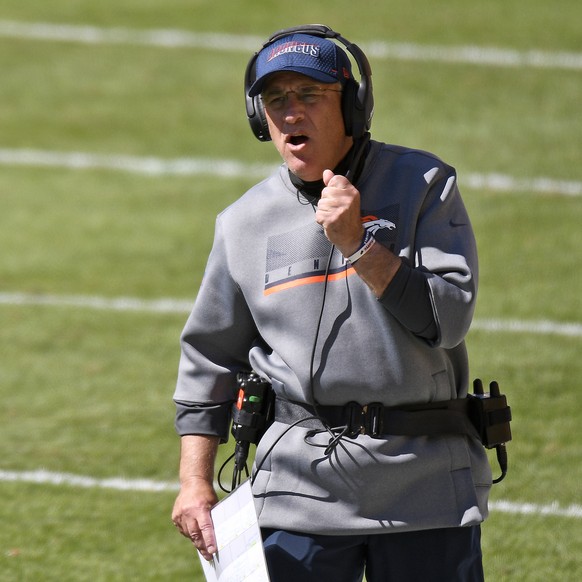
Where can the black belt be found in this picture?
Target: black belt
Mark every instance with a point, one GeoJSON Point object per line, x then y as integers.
{"type": "Point", "coordinates": [375, 419]}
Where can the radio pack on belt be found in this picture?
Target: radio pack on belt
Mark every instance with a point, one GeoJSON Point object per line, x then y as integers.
{"type": "Point", "coordinates": [251, 416]}
{"type": "Point", "coordinates": [491, 416]}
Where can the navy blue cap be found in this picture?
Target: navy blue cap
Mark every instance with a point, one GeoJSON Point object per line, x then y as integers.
{"type": "Point", "coordinates": [314, 56]}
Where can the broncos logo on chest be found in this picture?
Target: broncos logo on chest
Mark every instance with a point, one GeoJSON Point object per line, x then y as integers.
{"type": "Point", "coordinates": [373, 224]}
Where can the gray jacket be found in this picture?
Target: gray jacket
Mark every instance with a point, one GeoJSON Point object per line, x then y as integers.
{"type": "Point", "coordinates": [259, 305]}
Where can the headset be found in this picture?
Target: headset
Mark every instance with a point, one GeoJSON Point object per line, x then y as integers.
{"type": "Point", "coordinates": [357, 98]}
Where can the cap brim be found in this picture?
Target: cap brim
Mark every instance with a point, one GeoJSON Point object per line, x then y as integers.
{"type": "Point", "coordinates": [320, 76]}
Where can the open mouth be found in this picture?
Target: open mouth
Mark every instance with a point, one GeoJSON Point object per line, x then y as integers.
{"type": "Point", "coordinates": [297, 140]}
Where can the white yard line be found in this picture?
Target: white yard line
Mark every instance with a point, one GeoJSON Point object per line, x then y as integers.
{"type": "Point", "coordinates": [183, 306]}
{"type": "Point", "coordinates": [377, 49]}
{"type": "Point", "coordinates": [166, 305]}
{"type": "Point", "coordinates": [504, 183]}
{"type": "Point", "coordinates": [44, 477]}
{"type": "Point", "coordinates": [553, 509]}
{"type": "Point", "coordinates": [540, 327]}
{"type": "Point", "coordinates": [224, 168]}
{"type": "Point", "coordinates": [140, 165]}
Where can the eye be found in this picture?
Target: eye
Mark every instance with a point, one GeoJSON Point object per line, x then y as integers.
{"type": "Point", "coordinates": [276, 100]}
{"type": "Point", "coordinates": [310, 96]}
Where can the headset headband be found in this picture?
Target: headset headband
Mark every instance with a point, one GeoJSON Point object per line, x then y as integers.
{"type": "Point", "coordinates": [357, 101]}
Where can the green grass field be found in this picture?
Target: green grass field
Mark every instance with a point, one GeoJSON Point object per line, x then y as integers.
{"type": "Point", "coordinates": [86, 379]}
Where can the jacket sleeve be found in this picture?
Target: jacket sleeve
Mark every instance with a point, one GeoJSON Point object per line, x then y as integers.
{"type": "Point", "coordinates": [215, 344]}
{"type": "Point", "coordinates": [446, 252]}
{"type": "Point", "coordinates": [407, 298]}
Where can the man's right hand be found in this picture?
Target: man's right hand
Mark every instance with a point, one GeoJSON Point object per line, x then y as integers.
{"type": "Point", "coordinates": [191, 513]}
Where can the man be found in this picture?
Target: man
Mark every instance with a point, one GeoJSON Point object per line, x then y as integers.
{"type": "Point", "coordinates": [347, 280]}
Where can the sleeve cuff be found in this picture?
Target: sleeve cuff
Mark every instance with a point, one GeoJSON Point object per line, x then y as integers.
{"type": "Point", "coordinates": [202, 419]}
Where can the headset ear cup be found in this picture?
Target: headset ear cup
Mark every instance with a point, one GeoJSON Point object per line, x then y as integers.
{"type": "Point", "coordinates": [262, 127]}
{"type": "Point", "coordinates": [257, 118]}
{"type": "Point", "coordinates": [349, 109]}
{"type": "Point", "coordinates": [365, 102]}
{"type": "Point", "coordinates": [254, 106]}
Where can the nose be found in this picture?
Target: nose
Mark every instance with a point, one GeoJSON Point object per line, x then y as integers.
{"type": "Point", "coordinates": [294, 108]}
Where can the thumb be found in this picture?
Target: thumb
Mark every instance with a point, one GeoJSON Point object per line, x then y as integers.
{"type": "Point", "coordinates": [327, 176]}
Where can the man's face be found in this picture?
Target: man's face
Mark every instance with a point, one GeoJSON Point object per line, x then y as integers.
{"type": "Point", "coordinates": [306, 123]}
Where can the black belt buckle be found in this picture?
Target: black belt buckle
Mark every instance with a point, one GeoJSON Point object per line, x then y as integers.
{"type": "Point", "coordinates": [356, 419]}
{"type": "Point", "coordinates": [367, 419]}
{"type": "Point", "coordinates": [374, 419]}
